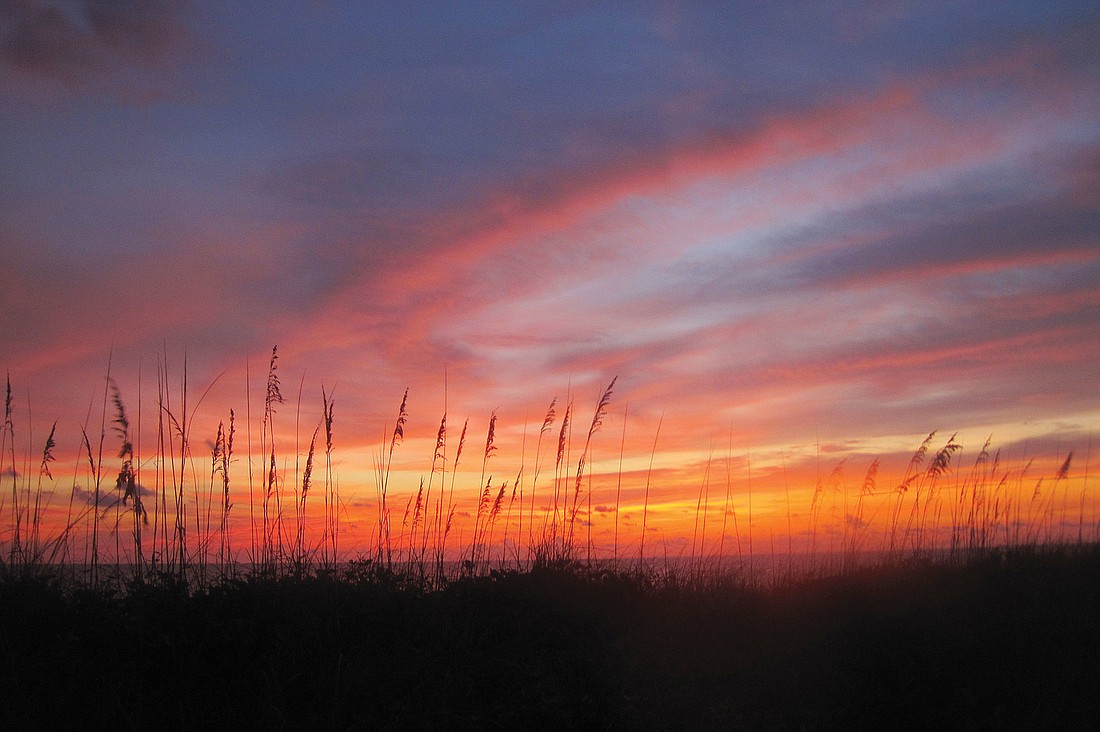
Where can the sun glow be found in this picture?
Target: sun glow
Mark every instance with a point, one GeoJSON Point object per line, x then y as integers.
{"type": "Point", "coordinates": [316, 495]}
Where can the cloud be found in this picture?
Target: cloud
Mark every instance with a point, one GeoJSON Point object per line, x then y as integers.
{"type": "Point", "coordinates": [1029, 234]}
{"type": "Point", "coordinates": [73, 42]}
{"type": "Point", "coordinates": [109, 496]}
{"type": "Point", "coordinates": [751, 222]}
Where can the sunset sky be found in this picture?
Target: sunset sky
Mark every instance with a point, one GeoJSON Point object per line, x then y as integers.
{"type": "Point", "coordinates": [796, 231]}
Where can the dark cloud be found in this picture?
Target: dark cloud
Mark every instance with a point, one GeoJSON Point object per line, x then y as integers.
{"type": "Point", "coordinates": [73, 41]}
{"type": "Point", "coordinates": [109, 497]}
{"type": "Point", "coordinates": [1013, 234]}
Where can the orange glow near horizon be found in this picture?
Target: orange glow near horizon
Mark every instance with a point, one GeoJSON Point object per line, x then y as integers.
{"type": "Point", "coordinates": [726, 501]}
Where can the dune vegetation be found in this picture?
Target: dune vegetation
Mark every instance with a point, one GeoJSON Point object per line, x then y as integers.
{"type": "Point", "coordinates": [185, 587]}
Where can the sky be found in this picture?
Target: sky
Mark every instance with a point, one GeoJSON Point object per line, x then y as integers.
{"type": "Point", "coordinates": [794, 232]}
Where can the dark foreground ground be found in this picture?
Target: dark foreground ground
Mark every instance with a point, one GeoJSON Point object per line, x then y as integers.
{"type": "Point", "coordinates": [998, 644]}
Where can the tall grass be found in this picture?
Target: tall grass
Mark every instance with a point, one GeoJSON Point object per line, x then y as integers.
{"type": "Point", "coordinates": [197, 522]}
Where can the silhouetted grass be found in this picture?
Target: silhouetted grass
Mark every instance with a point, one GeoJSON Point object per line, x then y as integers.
{"type": "Point", "coordinates": [1004, 641]}
{"type": "Point", "coordinates": [991, 620]}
